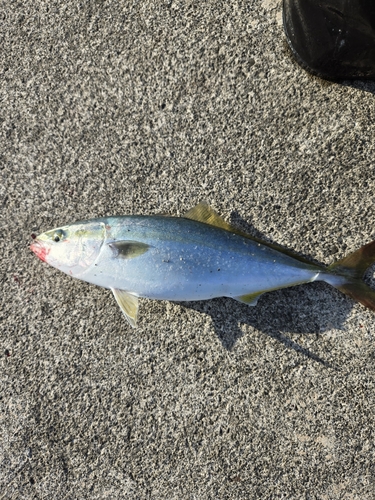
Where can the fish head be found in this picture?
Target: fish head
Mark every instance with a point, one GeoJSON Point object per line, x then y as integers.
{"type": "Point", "coordinates": [71, 249]}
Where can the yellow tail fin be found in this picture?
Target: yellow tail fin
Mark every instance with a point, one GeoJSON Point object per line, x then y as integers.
{"type": "Point", "coordinates": [353, 268]}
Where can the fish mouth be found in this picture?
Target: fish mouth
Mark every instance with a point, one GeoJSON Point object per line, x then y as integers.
{"type": "Point", "coordinates": [40, 250]}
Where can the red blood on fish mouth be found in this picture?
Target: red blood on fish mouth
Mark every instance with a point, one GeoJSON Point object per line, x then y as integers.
{"type": "Point", "coordinates": [39, 250]}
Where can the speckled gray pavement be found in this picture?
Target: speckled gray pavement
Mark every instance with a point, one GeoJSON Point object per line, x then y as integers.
{"type": "Point", "coordinates": [125, 107]}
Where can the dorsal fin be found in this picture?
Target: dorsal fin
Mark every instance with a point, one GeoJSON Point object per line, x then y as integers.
{"type": "Point", "coordinates": [204, 213]}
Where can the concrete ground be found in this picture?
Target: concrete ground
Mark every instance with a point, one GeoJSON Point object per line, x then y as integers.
{"type": "Point", "coordinates": [141, 107]}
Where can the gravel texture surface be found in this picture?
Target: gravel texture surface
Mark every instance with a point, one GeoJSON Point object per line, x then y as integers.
{"type": "Point", "coordinates": [121, 107]}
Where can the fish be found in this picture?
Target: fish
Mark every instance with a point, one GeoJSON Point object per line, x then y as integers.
{"type": "Point", "coordinates": [199, 256]}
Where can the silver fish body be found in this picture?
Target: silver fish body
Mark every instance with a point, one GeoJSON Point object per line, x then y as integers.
{"type": "Point", "coordinates": [195, 257]}
{"type": "Point", "coordinates": [189, 260]}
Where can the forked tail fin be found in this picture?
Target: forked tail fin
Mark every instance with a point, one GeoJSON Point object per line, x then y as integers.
{"type": "Point", "coordinates": [353, 268]}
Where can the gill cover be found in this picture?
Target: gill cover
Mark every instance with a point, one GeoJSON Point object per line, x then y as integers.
{"type": "Point", "coordinates": [71, 249]}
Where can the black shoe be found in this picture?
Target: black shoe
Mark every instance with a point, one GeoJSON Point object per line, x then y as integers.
{"type": "Point", "coordinates": [334, 39]}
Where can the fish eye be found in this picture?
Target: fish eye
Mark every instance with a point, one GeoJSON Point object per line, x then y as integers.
{"type": "Point", "coordinates": [58, 236]}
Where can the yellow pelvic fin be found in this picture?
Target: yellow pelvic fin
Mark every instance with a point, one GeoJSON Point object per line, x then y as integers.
{"type": "Point", "coordinates": [128, 304]}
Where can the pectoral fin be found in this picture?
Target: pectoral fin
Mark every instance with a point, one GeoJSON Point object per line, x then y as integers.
{"type": "Point", "coordinates": [128, 249]}
{"type": "Point", "coordinates": [128, 304]}
{"type": "Point", "coordinates": [250, 299]}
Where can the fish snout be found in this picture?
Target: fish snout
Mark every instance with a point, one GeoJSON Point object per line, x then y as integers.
{"type": "Point", "coordinates": [40, 249]}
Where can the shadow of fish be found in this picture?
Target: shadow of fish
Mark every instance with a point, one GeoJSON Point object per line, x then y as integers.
{"type": "Point", "coordinates": [195, 257]}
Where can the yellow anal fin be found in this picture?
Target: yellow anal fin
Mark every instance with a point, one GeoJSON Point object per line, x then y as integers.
{"type": "Point", "coordinates": [128, 304]}
{"type": "Point", "coordinates": [250, 299]}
